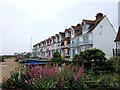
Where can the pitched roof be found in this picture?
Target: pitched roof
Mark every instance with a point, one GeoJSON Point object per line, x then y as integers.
{"type": "Point", "coordinates": [78, 27]}
{"type": "Point", "coordinates": [67, 30]}
{"type": "Point", "coordinates": [53, 37]}
{"type": "Point", "coordinates": [89, 21]}
{"type": "Point", "coordinates": [61, 32]}
{"type": "Point", "coordinates": [96, 23]}
{"type": "Point", "coordinates": [79, 33]}
{"type": "Point", "coordinates": [49, 39]}
{"type": "Point", "coordinates": [118, 35]}
{"type": "Point", "coordinates": [35, 45]}
{"type": "Point", "coordinates": [56, 34]}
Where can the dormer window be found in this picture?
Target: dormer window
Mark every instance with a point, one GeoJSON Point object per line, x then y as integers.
{"type": "Point", "coordinates": [83, 23]}
{"type": "Point", "coordinates": [66, 34]}
{"type": "Point", "coordinates": [72, 42]}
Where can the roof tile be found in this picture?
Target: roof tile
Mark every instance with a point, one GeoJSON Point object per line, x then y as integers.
{"type": "Point", "coordinates": [96, 23]}
{"type": "Point", "coordinates": [89, 21]}
{"type": "Point", "coordinates": [118, 35]}
{"type": "Point", "coordinates": [78, 27]}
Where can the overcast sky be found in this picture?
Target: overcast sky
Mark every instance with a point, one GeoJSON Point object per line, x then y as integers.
{"type": "Point", "coordinates": [21, 20]}
{"type": "Point", "coordinates": [119, 13]}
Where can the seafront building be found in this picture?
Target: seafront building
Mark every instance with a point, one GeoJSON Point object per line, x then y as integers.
{"type": "Point", "coordinates": [116, 51]}
{"type": "Point", "coordinates": [98, 33]}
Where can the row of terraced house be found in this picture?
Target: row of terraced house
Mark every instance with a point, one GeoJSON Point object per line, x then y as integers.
{"type": "Point", "coordinates": [98, 33]}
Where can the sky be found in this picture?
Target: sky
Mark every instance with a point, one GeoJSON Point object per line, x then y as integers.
{"type": "Point", "coordinates": [26, 22]}
{"type": "Point", "coordinates": [119, 13]}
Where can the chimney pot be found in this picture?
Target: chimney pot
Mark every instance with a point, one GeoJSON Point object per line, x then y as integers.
{"type": "Point", "coordinates": [99, 15]}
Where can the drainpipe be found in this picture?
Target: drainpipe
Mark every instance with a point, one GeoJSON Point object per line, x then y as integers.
{"type": "Point", "coordinates": [116, 57]}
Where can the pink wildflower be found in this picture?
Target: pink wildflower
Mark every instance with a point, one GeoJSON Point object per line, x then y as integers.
{"type": "Point", "coordinates": [75, 77]}
{"type": "Point", "coordinates": [79, 73]}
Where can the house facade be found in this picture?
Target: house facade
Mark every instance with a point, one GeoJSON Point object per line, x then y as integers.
{"type": "Point", "coordinates": [98, 33]}
{"type": "Point", "coordinates": [117, 41]}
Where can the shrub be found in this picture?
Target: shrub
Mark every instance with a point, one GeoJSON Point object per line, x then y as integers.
{"type": "Point", "coordinates": [17, 80]}
{"type": "Point", "coordinates": [93, 55]}
{"type": "Point", "coordinates": [23, 60]}
{"type": "Point", "coordinates": [57, 59]}
{"type": "Point", "coordinates": [77, 60]}
{"type": "Point", "coordinates": [110, 81]}
{"type": "Point", "coordinates": [114, 63]}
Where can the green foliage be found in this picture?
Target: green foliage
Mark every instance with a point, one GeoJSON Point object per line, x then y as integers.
{"type": "Point", "coordinates": [67, 77]}
{"type": "Point", "coordinates": [113, 64]}
{"type": "Point", "coordinates": [77, 60]}
{"type": "Point", "coordinates": [46, 78]}
{"type": "Point", "coordinates": [80, 84]}
{"type": "Point", "coordinates": [28, 55]}
{"type": "Point", "coordinates": [91, 80]}
{"type": "Point", "coordinates": [93, 54]}
{"type": "Point", "coordinates": [90, 56]}
{"type": "Point", "coordinates": [104, 81]}
{"type": "Point", "coordinates": [109, 81]}
{"type": "Point", "coordinates": [17, 80]}
{"type": "Point", "coordinates": [57, 59]}
{"type": "Point", "coordinates": [44, 84]}
{"type": "Point", "coordinates": [23, 60]}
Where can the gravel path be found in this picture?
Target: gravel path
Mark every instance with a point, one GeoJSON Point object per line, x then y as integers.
{"type": "Point", "coordinates": [7, 66]}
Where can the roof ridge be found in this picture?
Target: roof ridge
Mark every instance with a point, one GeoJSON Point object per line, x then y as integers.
{"type": "Point", "coordinates": [118, 35]}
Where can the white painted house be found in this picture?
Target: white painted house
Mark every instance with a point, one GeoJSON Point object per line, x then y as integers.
{"type": "Point", "coordinates": [103, 36]}
{"type": "Point", "coordinates": [97, 33]}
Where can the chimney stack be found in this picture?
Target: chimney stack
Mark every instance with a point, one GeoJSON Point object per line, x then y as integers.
{"type": "Point", "coordinates": [98, 16]}
{"type": "Point", "coordinates": [78, 24]}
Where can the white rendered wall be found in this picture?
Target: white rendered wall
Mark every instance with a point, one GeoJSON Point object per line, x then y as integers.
{"type": "Point", "coordinates": [118, 44]}
{"type": "Point", "coordinates": [104, 36]}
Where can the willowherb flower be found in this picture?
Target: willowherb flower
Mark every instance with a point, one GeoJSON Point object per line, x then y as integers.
{"type": "Point", "coordinates": [75, 77]}
{"type": "Point", "coordinates": [36, 72]}
{"type": "Point", "coordinates": [30, 81]}
{"type": "Point", "coordinates": [79, 73]}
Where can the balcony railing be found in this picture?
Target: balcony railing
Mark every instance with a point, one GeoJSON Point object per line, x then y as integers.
{"type": "Point", "coordinates": [58, 46]}
{"type": "Point", "coordinates": [75, 44]}
{"type": "Point", "coordinates": [86, 43]}
{"type": "Point", "coordinates": [66, 46]}
{"type": "Point", "coordinates": [116, 52]}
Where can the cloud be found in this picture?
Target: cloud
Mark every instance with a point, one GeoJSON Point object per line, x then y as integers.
{"type": "Point", "coordinates": [22, 19]}
{"type": "Point", "coordinates": [119, 13]}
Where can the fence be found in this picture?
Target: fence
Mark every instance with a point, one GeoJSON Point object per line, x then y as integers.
{"type": "Point", "coordinates": [116, 52]}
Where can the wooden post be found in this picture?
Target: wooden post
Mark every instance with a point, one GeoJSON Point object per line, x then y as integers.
{"type": "Point", "coordinates": [113, 53]}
